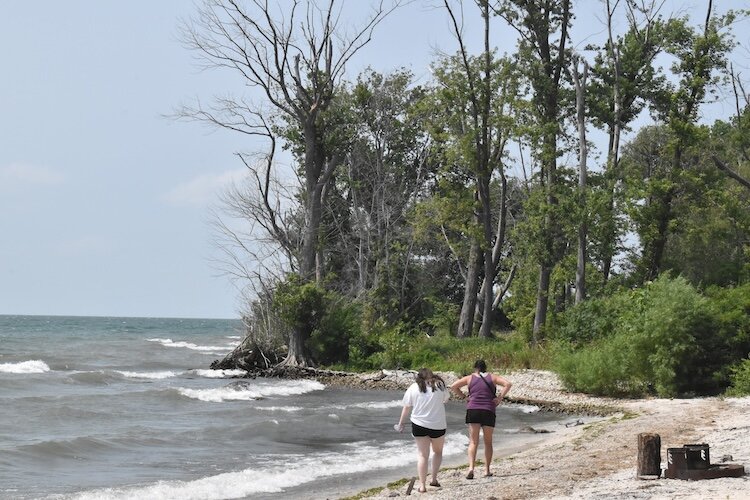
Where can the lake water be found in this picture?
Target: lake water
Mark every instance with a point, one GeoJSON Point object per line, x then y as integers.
{"type": "Point", "coordinates": [126, 408]}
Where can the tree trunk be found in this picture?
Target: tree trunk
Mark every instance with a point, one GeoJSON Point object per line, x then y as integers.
{"type": "Point", "coordinates": [614, 147]}
{"type": "Point", "coordinates": [485, 329]}
{"type": "Point", "coordinates": [490, 270]}
{"type": "Point", "coordinates": [466, 319]}
{"type": "Point", "coordinates": [656, 252]}
{"type": "Point", "coordinates": [542, 299]}
{"type": "Point", "coordinates": [649, 455]}
{"type": "Point", "coordinates": [298, 354]}
{"type": "Point", "coordinates": [310, 267]}
{"type": "Point", "coordinates": [580, 83]}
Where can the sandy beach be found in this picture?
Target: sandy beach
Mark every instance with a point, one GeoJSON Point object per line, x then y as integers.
{"type": "Point", "coordinates": [597, 460]}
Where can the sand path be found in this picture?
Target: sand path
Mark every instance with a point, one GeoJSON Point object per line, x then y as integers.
{"type": "Point", "coordinates": [598, 460]}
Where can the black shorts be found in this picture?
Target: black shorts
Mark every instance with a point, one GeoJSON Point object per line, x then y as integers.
{"type": "Point", "coordinates": [419, 431]}
{"type": "Point", "coordinates": [484, 417]}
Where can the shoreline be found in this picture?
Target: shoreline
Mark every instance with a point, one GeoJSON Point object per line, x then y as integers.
{"type": "Point", "coordinates": [594, 460]}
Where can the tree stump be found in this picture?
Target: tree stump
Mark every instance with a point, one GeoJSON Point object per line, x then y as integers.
{"type": "Point", "coordinates": [649, 455]}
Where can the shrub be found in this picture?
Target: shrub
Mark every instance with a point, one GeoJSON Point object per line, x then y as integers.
{"type": "Point", "coordinates": [330, 341]}
{"type": "Point", "coordinates": [661, 341]}
{"type": "Point", "coordinates": [323, 314]}
{"type": "Point", "coordinates": [740, 379]}
{"type": "Point", "coordinates": [603, 368]}
{"type": "Point", "coordinates": [590, 320]}
{"type": "Point", "coordinates": [394, 343]}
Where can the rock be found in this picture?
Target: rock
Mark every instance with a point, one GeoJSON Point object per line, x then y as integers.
{"type": "Point", "coordinates": [530, 430]}
{"type": "Point", "coordinates": [574, 424]}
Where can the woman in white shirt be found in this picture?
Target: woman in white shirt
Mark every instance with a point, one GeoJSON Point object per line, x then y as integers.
{"type": "Point", "coordinates": [425, 399]}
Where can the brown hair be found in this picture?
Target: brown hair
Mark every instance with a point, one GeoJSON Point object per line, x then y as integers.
{"type": "Point", "coordinates": [425, 376]}
{"type": "Point", "coordinates": [480, 365]}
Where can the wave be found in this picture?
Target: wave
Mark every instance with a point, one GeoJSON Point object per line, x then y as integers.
{"type": "Point", "coordinates": [190, 345]}
{"type": "Point", "coordinates": [98, 377]}
{"type": "Point", "coordinates": [33, 366]}
{"type": "Point", "coordinates": [288, 409]}
{"type": "Point", "coordinates": [524, 408]}
{"type": "Point", "coordinates": [375, 405]}
{"type": "Point", "coordinates": [66, 448]}
{"type": "Point", "coordinates": [219, 373]}
{"type": "Point", "coordinates": [148, 375]}
{"type": "Point", "coordinates": [362, 457]}
{"type": "Point", "coordinates": [246, 391]}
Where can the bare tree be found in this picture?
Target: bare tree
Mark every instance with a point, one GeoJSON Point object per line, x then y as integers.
{"type": "Point", "coordinates": [293, 52]}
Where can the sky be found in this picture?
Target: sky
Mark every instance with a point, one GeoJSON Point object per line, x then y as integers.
{"type": "Point", "coordinates": [104, 199]}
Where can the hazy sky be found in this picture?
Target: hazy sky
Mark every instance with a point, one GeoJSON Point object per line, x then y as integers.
{"type": "Point", "coordinates": [104, 201]}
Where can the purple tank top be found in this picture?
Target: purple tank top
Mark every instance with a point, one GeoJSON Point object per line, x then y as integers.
{"type": "Point", "coordinates": [481, 393]}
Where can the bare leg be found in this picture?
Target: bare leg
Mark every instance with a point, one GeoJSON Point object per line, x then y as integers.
{"type": "Point", "coordinates": [487, 433]}
{"type": "Point", "coordinates": [423, 455]}
{"type": "Point", "coordinates": [473, 444]}
{"type": "Point", "coordinates": [437, 458]}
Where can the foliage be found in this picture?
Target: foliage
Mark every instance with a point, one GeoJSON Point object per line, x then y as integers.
{"type": "Point", "coordinates": [406, 181]}
{"type": "Point", "coordinates": [446, 353]}
{"type": "Point", "coordinates": [326, 317]}
{"type": "Point", "coordinates": [665, 338]}
{"type": "Point", "coordinates": [591, 320]}
{"type": "Point", "coordinates": [330, 342]}
{"type": "Point", "coordinates": [740, 379]}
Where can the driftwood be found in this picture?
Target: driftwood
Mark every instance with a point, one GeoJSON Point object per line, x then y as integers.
{"type": "Point", "coordinates": [248, 356]}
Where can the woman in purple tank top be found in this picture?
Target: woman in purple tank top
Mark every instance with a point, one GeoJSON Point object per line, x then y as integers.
{"type": "Point", "coordinates": [480, 410]}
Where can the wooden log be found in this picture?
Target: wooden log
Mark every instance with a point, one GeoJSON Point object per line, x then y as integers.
{"type": "Point", "coordinates": [649, 455]}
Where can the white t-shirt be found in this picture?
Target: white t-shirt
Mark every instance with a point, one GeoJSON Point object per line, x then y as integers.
{"type": "Point", "coordinates": [427, 408]}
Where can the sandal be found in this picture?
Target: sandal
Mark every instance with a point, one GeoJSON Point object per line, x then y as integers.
{"type": "Point", "coordinates": [420, 490]}
{"type": "Point", "coordinates": [489, 474]}
{"type": "Point", "coordinates": [435, 484]}
{"type": "Point", "coordinates": [470, 475]}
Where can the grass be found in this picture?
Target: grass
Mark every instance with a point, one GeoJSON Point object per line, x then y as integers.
{"type": "Point", "coordinates": [446, 353]}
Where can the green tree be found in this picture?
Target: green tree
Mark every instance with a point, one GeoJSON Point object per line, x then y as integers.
{"type": "Point", "coordinates": [624, 77]}
{"type": "Point", "coordinates": [544, 56]}
{"type": "Point", "coordinates": [698, 56]}
{"type": "Point", "coordinates": [475, 98]}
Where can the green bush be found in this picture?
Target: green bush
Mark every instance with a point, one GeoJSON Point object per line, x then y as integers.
{"type": "Point", "coordinates": [603, 368]}
{"type": "Point", "coordinates": [395, 347]}
{"type": "Point", "coordinates": [661, 342]}
{"type": "Point", "coordinates": [330, 341]}
{"type": "Point", "coordinates": [590, 320]}
{"type": "Point", "coordinates": [740, 379]}
{"type": "Point", "coordinates": [326, 318]}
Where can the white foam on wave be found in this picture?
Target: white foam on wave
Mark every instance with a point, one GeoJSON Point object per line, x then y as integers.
{"type": "Point", "coordinates": [190, 345]}
{"type": "Point", "coordinates": [148, 375]}
{"type": "Point", "coordinates": [33, 366]}
{"type": "Point", "coordinates": [524, 408]}
{"type": "Point", "coordinates": [366, 405]}
{"type": "Point", "coordinates": [247, 392]}
{"type": "Point", "coordinates": [288, 409]}
{"type": "Point", "coordinates": [219, 373]}
{"type": "Point", "coordinates": [376, 405]}
{"type": "Point", "coordinates": [363, 457]}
